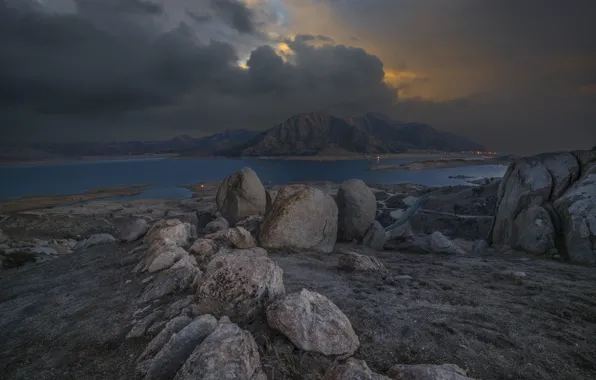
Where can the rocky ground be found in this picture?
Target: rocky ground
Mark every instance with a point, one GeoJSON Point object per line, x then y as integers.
{"type": "Point", "coordinates": [84, 312]}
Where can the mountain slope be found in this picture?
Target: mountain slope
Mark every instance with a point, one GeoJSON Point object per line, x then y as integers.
{"type": "Point", "coordinates": [318, 132]}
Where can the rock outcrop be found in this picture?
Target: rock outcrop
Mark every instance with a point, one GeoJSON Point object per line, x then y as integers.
{"type": "Point", "coordinates": [227, 353]}
{"type": "Point", "coordinates": [357, 205]}
{"type": "Point", "coordinates": [239, 285]}
{"type": "Point", "coordinates": [352, 369]}
{"type": "Point", "coordinates": [172, 230]}
{"type": "Point", "coordinates": [546, 202]}
{"type": "Point", "coordinates": [313, 323]}
{"type": "Point", "coordinates": [236, 237]}
{"type": "Point", "coordinates": [375, 236]}
{"type": "Point", "coordinates": [240, 195]}
{"type": "Point", "coordinates": [301, 217]}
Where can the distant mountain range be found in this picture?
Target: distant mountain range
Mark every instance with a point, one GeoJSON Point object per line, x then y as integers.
{"type": "Point", "coordinates": [316, 133]}
{"type": "Point", "coordinates": [319, 133]}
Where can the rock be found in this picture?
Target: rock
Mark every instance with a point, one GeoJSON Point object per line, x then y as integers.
{"type": "Point", "coordinates": [252, 224]}
{"type": "Point", "coordinates": [353, 261]}
{"type": "Point", "coordinates": [270, 196]}
{"type": "Point", "coordinates": [313, 323]}
{"type": "Point", "coordinates": [179, 347]}
{"type": "Point", "coordinates": [238, 285]}
{"type": "Point", "coordinates": [134, 231]}
{"type": "Point", "coordinates": [577, 210]}
{"type": "Point", "coordinates": [228, 353]}
{"type": "Point", "coordinates": [203, 218]}
{"type": "Point", "coordinates": [534, 231]}
{"type": "Point", "coordinates": [176, 307]}
{"type": "Point", "coordinates": [222, 257]}
{"type": "Point", "coordinates": [140, 327]}
{"type": "Point", "coordinates": [352, 369]}
{"type": "Point", "coordinates": [236, 237]}
{"type": "Point", "coordinates": [167, 256]}
{"type": "Point", "coordinates": [240, 195]}
{"type": "Point", "coordinates": [357, 206]}
{"type": "Point", "coordinates": [96, 239]}
{"type": "Point", "coordinates": [3, 238]}
{"type": "Point", "coordinates": [302, 217]}
{"type": "Point", "coordinates": [187, 261]}
{"type": "Point", "coordinates": [479, 246]}
{"type": "Point", "coordinates": [511, 274]}
{"type": "Point", "coordinates": [427, 372]}
{"type": "Point", "coordinates": [172, 230]}
{"type": "Point", "coordinates": [218, 224]}
{"type": "Point", "coordinates": [375, 236]}
{"type": "Point", "coordinates": [401, 232]}
{"type": "Point", "coordinates": [170, 281]}
{"type": "Point", "coordinates": [438, 243]}
{"type": "Point", "coordinates": [203, 250]}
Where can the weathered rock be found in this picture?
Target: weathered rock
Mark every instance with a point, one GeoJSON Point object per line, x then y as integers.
{"type": "Point", "coordinates": [238, 285]}
{"type": "Point", "coordinates": [357, 206]}
{"type": "Point", "coordinates": [173, 326]}
{"type": "Point", "coordinates": [3, 237]}
{"type": "Point", "coordinates": [352, 369]}
{"type": "Point", "coordinates": [313, 323]}
{"type": "Point", "coordinates": [252, 224]}
{"type": "Point", "coordinates": [96, 239]}
{"type": "Point", "coordinates": [427, 372]}
{"type": "Point", "coordinates": [169, 229]}
{"type": "Point", "coordinates": [375, 236]}
{"type": "Point", "coordinates": [270, 196]}
{"type": "Point", "coordinates": [236, 237]}
{"type": "Point", "coordinates": [577, 210]}
{"type": "Point", "coordinates": [401, 232]}
{"type": "Point", "coordinates": [134, 231]}
{"type": "Point", "coordinates": [301, 217]}
{"type": "Point", "coordinates": [170, 281]}
{"type": "Point", "coordinates": [534, 231]}
{"type": "Point", "coordinates": [167, 256]}
{"type": "Point", "coordinates": [222, 257]}
{"type": "Point", "coordinates": [240, 195]}
{"type": "Point", "coordinates": [438, 243]}
{"type": "Point", "coordinates": [218, 224]}
{"type": "Point", "coordinates": [179, 347]}
{"type": "Point", "coordinates": [228, 353]}
{"type": "Point", "coordinates": [176, 307]}
{"type": "Point", "coordinates": [353, 261]}
{"type": "Point", "coordinates": [203, 250]}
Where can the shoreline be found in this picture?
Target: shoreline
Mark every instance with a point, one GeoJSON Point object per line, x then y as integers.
{"type": "Point", "coordinates": [441, 164]}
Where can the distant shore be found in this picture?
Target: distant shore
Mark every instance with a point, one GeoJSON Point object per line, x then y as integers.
{"type": "Point", "coordinates": [86, 159]}
{"type": "Point", "coordinates": [441, 164]}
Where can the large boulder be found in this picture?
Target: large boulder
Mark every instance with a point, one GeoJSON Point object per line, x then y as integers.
{"type": "Point", "coordinates": [170, 281]}
{"type": "Point", "coordinates": [352, 369]}
{"type": "Point", "coordinates": [228, 353]}
{"type": "Point", "coordinates": [427, 372]}
{"type": "Point", "coordinates": [217, 224]}
{"type": "Point", "coordinates": [313, 323]}
{"type": "Point", "coordinates": [546, 202]}
{"type": "Point", "coordinates": [301, 217]}
{"type": "Point", "coordinates": [239, 285]}
{"type": "Point", "coordinates": [240, 195]}
{"type": "Point", "coordinates": [534, 231]}
{"type": "Point", "coordinates": [179, 347]}
{"type": "Point", "coordinates": [577, 211]}
{"type": "Point", "coordinates": [357, 206]}
{"type": "Point", "coordinates": [172, 230]}
{"type": "Point", "coordinates": [236, 237]}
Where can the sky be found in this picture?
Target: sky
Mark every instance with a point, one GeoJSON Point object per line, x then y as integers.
{"type": "Point", "coordinates": [517, 76]}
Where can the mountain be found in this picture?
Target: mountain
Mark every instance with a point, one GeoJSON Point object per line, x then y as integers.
{"type": "Point", "coordinates": [220, 142]}
{"type": "Point", "coordinates": [318, 132]}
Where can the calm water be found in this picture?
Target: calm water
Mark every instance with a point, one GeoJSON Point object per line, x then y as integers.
{"type": "Point", "coordinates": [166, 175]}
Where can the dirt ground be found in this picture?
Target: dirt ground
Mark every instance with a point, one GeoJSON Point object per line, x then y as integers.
{"type": "Point", "coordinates": [67, 318]}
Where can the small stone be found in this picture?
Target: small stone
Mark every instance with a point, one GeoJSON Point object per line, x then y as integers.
{"type": "Point", "coordinates": [353, 261]}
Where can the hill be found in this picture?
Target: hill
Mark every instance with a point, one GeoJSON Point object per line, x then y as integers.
{"type": "Point", "coordinates": [318, 132]}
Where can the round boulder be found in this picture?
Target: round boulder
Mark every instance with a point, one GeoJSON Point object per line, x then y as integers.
{"type": "Point", "coordinates": [301, 217]}
{"type": "Point", "coordinates": [357, 207]}
{"type": "Point", "coordinates": [240, 195]}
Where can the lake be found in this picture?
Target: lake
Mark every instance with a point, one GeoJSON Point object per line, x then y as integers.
{"type": "Point", "coordinates": [166, 174]}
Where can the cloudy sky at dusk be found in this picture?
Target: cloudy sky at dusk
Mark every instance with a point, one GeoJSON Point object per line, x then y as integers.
{"type": "Point", "coordinates": [517, 76]}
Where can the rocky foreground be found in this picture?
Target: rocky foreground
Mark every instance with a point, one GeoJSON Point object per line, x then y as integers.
{"type": "Point", "coordinates": [318, 281]}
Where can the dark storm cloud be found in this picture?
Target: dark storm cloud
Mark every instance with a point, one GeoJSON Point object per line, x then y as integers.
{"type": "Point", "coordinates": [66, 77]}
{"type": "Point", "coordinates": [310, 37]}
{"type": "Point", "coordinates": [200, 18]}
{"type": "Point", "coordinates": [126, 6]}
{"type": "Point", "coordinates": [236, 14]}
